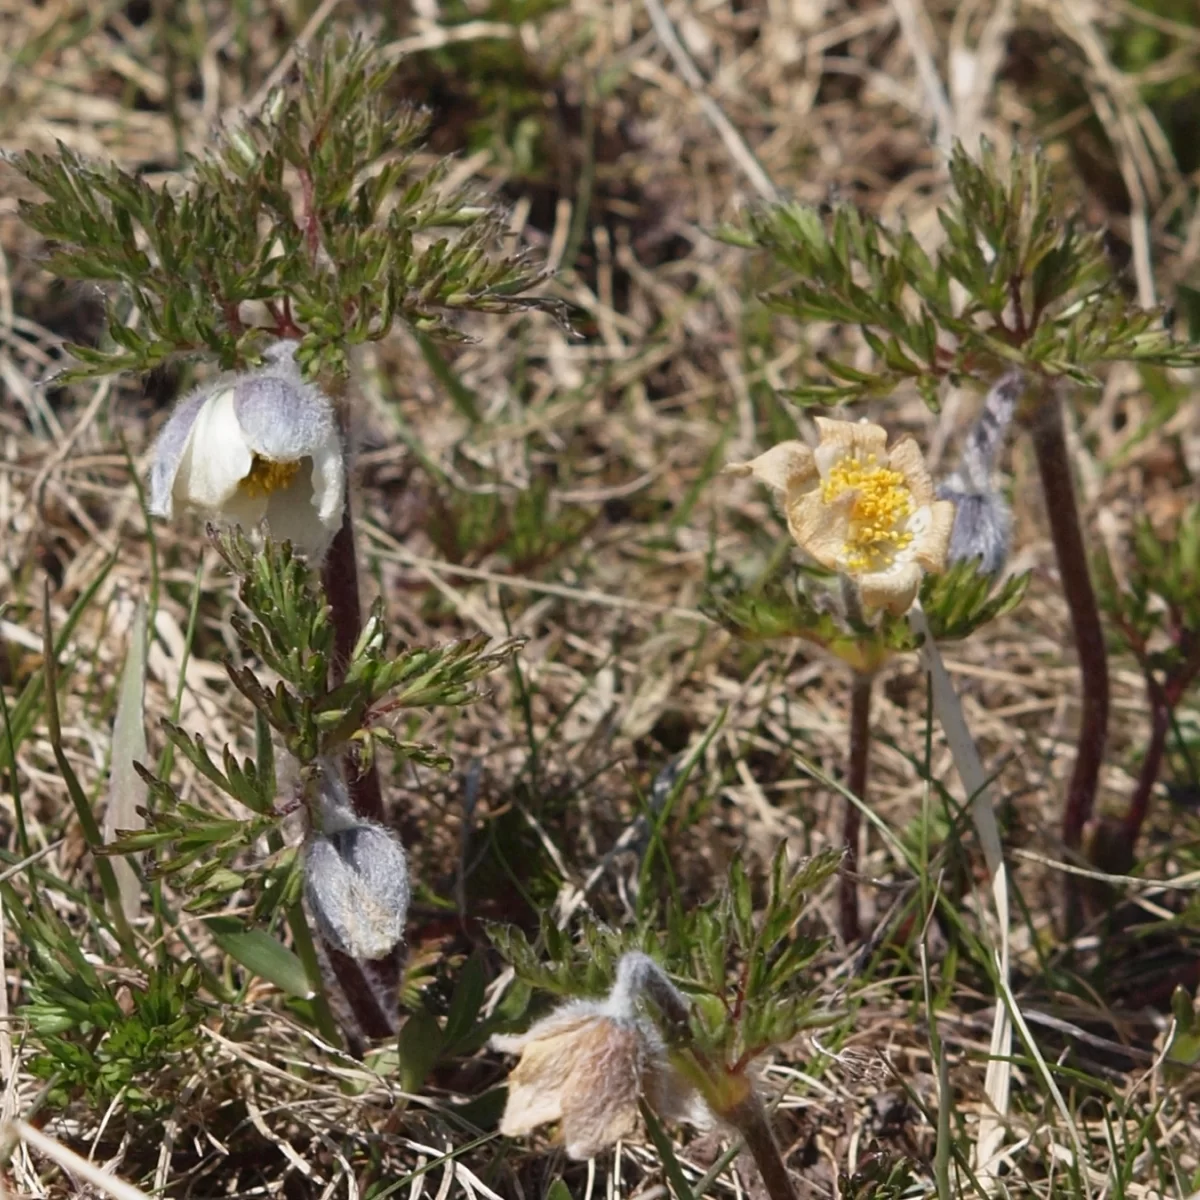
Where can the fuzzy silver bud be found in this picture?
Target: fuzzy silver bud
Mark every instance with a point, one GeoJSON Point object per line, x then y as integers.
{"type": "Point", "coordinates": [982, 520]}
{"type": "Point", "coordinates": [982, 528]}
{"type": "Point", "coordinates": [355, 878]}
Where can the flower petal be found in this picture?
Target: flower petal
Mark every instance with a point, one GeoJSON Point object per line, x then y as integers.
{"type": "Point", "coordinates": [783, 467]}
{"type": "Point", "coordinates": [853, 437]}
{"type": "Point", "coordinates": [283, 418]}
{"type": "Point", "coordinates": [169, 451]}
{"type": "Point", "coordinates": [292, 516]}
{"type": "Point", "coordinates": [820, 528]}
{"type": "Point", "coordinates": [605, 1110]}
{"type": "Point", "coordinates": [932, 544]}
{"type": "Point", "coordinates": [216, 457]}
{"type": "Point", "coordinates": [549, 1064]}
{"type": "Point", "coordinates": [894, 589]}
{"type": "Point", "coordinates": [288, 420]}
{"type": "Point", "coordinates": [241, 509]}
{"type": "Point", "coordinates": [567, 1019]}
{"type": "Point", "coordinates": [906, 457]}
{"type": "Point", "coordinates": [329, 484]}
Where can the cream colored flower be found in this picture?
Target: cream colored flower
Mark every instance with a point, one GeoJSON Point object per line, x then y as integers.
{"type": "Point", "coordinates": [588, 1064]}
{"type": "Point", "coordinates": [259, 446]}
{"type": "Point", "coordinates": [860, 509]}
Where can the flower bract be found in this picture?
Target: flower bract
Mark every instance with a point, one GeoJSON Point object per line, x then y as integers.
{"type": "Point", "coordinates": [863, 510]}
{"type": "Point", "coordinates": [261, 446]}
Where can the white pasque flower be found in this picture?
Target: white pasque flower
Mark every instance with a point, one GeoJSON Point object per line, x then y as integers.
{"type": "Point", "coordinates": [860, 508]}
{"type": "Point", "coordinates": [258, 446]}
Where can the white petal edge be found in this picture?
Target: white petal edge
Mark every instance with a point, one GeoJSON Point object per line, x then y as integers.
{"type": "Point", "coordinates": [329, 483]}
{"type": "Point", "coordinates": [169, 450]}
{"type": "Point", "coordinates": [216, 457]}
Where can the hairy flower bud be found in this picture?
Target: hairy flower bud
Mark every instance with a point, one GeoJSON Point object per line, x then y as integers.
{"type": "Point", "coordinates": [982, 520]}
{"type": "Point", "coordinates": [982, 528]}
{"type": "Point", "coordinates": [259, 446]}
{"type": "Point", "coordinates": [355, 878]}
{"type": "Point", "coordinates": [588, 1064]}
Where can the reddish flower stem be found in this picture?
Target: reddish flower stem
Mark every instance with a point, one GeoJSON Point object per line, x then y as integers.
{"type": "Point", "coordinates": [856, 782]}
{"type": "Point", "coordinates": [1054, 466]}
{"type": "Point", "coordinates": [750, 1120]}
{"type": "Point", "coordinates": [363, 984]}
{"type": "Point", "coordinates": [1160, 725]}
{"type": "Point", "coordinates": [340, 580]}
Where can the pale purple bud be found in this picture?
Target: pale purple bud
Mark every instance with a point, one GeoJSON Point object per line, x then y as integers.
{"type": "Point", "coordinates": [982, 521]}
{"type": "Point", "coordinates": [982, 528]}
{"type": "Point", "coordinates": [355, 878]}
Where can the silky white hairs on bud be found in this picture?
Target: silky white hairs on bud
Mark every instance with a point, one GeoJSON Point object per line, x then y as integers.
{"type": "Point", "coordinates": [638, 975]}
{"type": "Point", "coordinates": [355, 876]}
{"type": "Point", "coordinates": [982, 520]}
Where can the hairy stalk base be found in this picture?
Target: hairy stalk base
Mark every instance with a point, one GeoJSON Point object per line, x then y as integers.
{"type": "Point", "coordinates": [750, 1120]}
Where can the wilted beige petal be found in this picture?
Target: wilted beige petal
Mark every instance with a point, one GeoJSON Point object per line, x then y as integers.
{"type": "Point", "coordinates": [855, 437]}
{"type": "Point", "coordinates": [906, 457]}
{"type": "Point", "coordinates": [581, 1069]}
{"type": "Point", "coordinates": [894, 589]}
{"type": "Point", "coordinates": [820, 528]}
{"type": "Point", "coordinates": [783, 467]}
{"type": "Point", "coordinates": [548, 1060]}
{"type": "Point", "coordinates": [568, 1019]}
{"type": "Point", "coordinates": [671, 1095]}
{"type": "Point", "coordinates": [602, 1106]}
{"type": "Point", "coordinates": [529, 1105]}
{"type": "Point", "coordinates": [932, 544]}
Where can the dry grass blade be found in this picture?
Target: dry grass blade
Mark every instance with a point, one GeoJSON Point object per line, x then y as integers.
{"type": "Point", "coordinates": [126, 789]}
{"type": "Point", "coordinates": [989, 1138]}
{"type": "Point", "coordinates": [72, 1164]}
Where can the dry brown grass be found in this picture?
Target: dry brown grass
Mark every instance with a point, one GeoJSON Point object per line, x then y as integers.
{"type": "Point", "coordinates": [670, 376]}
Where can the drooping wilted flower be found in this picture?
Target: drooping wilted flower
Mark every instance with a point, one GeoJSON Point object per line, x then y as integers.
{"type": "Point", "coordinates": [355, 877]}
{"type": "Point", "coordinates": [588, 1064]}
{"type": "Point", "coordinates": [861, 509]}
{"type": "Point", "coordinates": [258, 446]}
{"type": "Point", "coordinates": [982, 520]}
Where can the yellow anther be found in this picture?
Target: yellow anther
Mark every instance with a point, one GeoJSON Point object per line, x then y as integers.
{"type": "Point", "coordinates": [882, 503]}
{"type": "Point", "coordinates": [266, 477]}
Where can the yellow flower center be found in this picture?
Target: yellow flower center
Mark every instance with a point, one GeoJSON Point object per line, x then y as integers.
{"type": "Point", "coordinates": [266, 476]}
{"type": "Point", "coordinates": [882, 503]}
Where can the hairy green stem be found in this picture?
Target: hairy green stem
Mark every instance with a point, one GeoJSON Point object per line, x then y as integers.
{"type": "Point", "coordinates": [750, 1120]}
{"type": "Point", "coordinates": [856, 783]}
{"type": "Point", "coordinates": [1054, 466]}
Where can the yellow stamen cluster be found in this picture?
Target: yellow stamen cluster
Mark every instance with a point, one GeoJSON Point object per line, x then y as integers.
{"type": "Point", "coordinates": [882, 502]}
{"type": "Point", "coordinates": [266, 477]}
